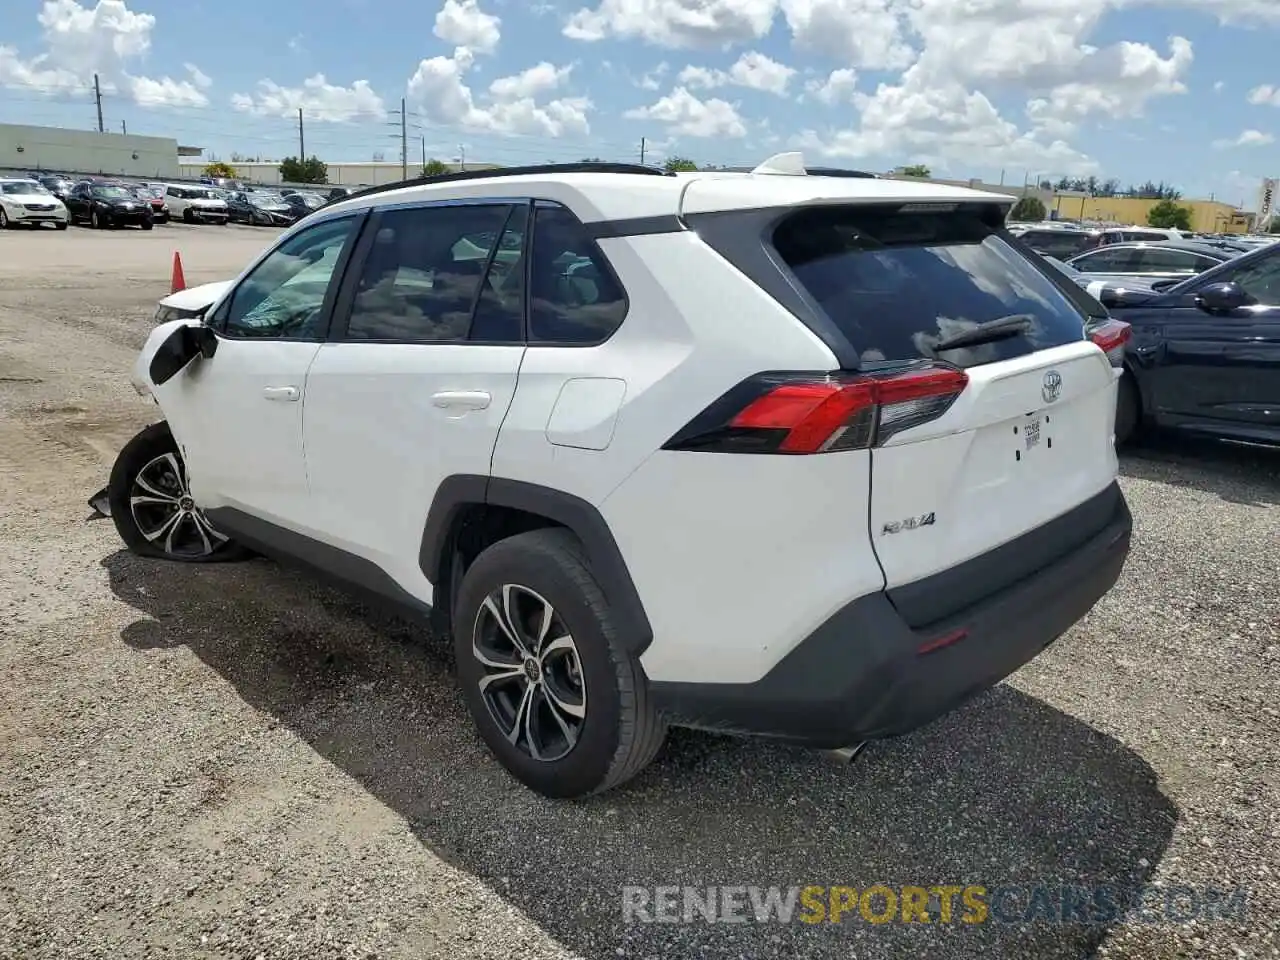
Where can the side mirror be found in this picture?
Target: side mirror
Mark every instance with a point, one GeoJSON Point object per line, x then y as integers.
{"type": "Point", "coordinates": [183, 345]}
{"type": "Point", "coordinates": [1222, 297]}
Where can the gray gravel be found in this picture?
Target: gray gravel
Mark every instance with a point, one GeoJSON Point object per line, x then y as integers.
{"type": "Point", "coordinates": [236, 761]}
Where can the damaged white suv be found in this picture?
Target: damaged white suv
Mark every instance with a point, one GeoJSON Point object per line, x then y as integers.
{"type": "Point", "coordinates": [808, 457]}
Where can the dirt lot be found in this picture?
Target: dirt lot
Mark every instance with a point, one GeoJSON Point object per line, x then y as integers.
{"type": "Point", "coordinates": [235, 761]}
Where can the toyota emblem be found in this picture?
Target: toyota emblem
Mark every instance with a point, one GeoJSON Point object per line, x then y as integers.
{"type": "Point", "coordinates": [1052, 386]}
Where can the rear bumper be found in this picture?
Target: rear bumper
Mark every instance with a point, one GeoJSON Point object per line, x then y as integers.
{"type": "Point", "coordinates": [862, 675]}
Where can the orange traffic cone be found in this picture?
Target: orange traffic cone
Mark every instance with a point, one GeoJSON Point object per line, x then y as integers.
{"type": "Point", "coordinates": [179, 281]}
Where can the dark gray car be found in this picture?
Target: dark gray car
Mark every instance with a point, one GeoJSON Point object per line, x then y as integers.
{"type": "Point", "coordinates": [1163, 260]}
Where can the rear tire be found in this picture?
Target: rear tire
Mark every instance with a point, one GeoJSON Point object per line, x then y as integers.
{"type": "Point", "coordinates": [61, 225]}
{"type": "Point", "coordinates": [566, 710]}
{"type": "Point", "coordinates": [151, 505]}
{"type": "Point", "coordinates": [188, 216]}
{"type": "Point", "coordinates": [1128, 410]}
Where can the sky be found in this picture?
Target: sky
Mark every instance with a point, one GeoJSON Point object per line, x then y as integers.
{"type": "Point", "coordinates": [1184, 91]}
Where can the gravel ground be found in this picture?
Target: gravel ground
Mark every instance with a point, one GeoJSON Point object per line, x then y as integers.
{"type": "Point", "coordinates": [235, 761]}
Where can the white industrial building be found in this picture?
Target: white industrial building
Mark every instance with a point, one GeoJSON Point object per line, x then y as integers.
{"type": "Point", "coordinates": [57, 149]}
{"type": "Point", "coordinates": [358, 174]}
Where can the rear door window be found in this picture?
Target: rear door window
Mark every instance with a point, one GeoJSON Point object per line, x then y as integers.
{"type": "Point", "coordinates": [1112, 259]}
{"type": "Point", "coordinates": [897, 282]}
{"type": "Point", "coordinates": [1056, 243]}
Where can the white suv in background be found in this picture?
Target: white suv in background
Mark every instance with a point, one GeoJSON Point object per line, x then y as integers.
{"type": "Point", "coordinates": [809, 457]}
{"type": "Point", "coordinates": [195, 204]}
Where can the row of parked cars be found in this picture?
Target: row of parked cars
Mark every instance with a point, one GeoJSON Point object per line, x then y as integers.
{"type": "Point", "coordinates": [1204, 313]}
{"type": "Point", "coordinates": [107, 202]}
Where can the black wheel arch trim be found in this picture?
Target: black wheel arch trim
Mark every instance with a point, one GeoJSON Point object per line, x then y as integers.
{"type": "Point", "coordinates": [461, 492]}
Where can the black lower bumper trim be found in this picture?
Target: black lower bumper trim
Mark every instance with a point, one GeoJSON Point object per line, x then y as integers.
{"type": "Point", "coordinates": [861, 675]}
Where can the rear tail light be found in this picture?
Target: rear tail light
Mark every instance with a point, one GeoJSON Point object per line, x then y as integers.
{"type": "Point", "coordinates": [1112, 336]}
{"type": "Point", "coordinates": [822, 413]}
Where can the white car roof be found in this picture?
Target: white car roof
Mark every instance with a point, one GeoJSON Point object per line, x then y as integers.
{"type": "Point", "coordinates": [598, 196]}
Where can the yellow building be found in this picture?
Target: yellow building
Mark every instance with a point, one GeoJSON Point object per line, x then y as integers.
{"type": "Point", "coordinates": [1207, 216]}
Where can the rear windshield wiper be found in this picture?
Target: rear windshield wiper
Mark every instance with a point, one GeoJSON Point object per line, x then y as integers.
{"type": "Point", "coordinates": [1001, 328]}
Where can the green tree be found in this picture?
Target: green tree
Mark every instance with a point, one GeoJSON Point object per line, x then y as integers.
{"type": "Point", "coordinates": [1028, 208]}
{"type": "Point", "coordinates": [591, 160]}
{"type": "Point", "coordinates": [917, 170]}
{"type": "Point", "coordinates": [1169, 215]}
{"type": "Point", "coordinates": [679, 165]}
{"type": "Point", "coordinates": [219, 168]}
{"type": "Point", "coordinates": [434, 168]}
{"type": "Point", "coordinates": [310, 170]}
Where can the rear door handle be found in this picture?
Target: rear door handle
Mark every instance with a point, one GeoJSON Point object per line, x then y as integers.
{"type": "Point", "coordinates": [462, 399]}
{"type": "Point", "coordinates": [280, 393]}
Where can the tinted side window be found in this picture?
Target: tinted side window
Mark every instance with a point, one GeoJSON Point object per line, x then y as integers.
{"type": "Point", "coordinates": [423, 273]}
{"type": "Point", "coordinates": [574, 297]}
{"type": "Point", "coordinates": [284, 295]}
{"type": "Point", "coordinates": [897, 283]}
{"type": "Point", "coordinates": [1056, 243]}
{"type": "Point", "coordinates": [1260, 279]}
{"type": "Point", "coordinates": [1110, 260]}
{"type": "Point", "coordinates": [1169, 260]}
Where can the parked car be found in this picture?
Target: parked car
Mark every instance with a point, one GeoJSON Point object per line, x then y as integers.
{"type": "Point", "coordinates": [259, 208]}
{"type": "Point", "coordinates": [155, 197]}
{"type": "Point", "coordinates": [301, 203]}
{"type": "Point", "coordinates": [107, 205]}
{"type": "Point", "coordinates": [195, 204]}
{"type": "Point", "coordinates": [1205, 353]}
{"type": "Point", "coordinates": [1168, 259]}
{"type": "Point", "coordinates": [28, 203]}
{"type": "Point", "coordinates": [1051, 242]}
{"type": "Point", "coordinates": [926, 525]}
{"type": "Point", "coordinates": [1111, 235]}
{"type": "Point", "coordinates": [58, 186]}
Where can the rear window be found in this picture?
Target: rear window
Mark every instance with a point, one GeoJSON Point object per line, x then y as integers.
{"type": "Point", "coordinates": [1056, 243]}
{"type": "Point", "coordinates": [897, 282]}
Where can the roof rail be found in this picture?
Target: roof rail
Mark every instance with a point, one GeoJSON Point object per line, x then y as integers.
{"type": "Point", "coordinates": [541, 168]}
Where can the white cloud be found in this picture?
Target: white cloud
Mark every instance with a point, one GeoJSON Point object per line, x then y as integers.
{"type": "Point", "coordinates": [920, 120]}
{"type": "Point", "coordinates": [675, 23]}
{"type": "Point", "coordinates": [1266, 94]}
{"type": "Point", "coordinates": [105, 39]}
{"type": "Point", "coordinates": [1218, 86]}
{"type": "Point", "coordinates": [511, 106]}
{"type": "Point", "coordinates": [316, 98]}
{"type": "Point", "coordinates": [1249, 138]}
{"type": "Point", "coordinates": [839, 87]}
{"type": "Point", "coordinates": [867, 34]}
{"type": "Point", "coordinates": [752, 70]}
{"type": "Point", "coordinates": [686, 115]}
{"type": "Point", "coordinates": [652, 80]}
{"type": "Point", "coordinates": [463, 24]}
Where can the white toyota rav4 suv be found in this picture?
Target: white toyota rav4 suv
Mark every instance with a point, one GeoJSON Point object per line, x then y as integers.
{"type": "Point", "coordinates": [807, 457]}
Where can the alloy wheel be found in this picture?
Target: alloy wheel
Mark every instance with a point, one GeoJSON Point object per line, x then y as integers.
{"type": "Point", "coordinates": [4, 220]}
{"type": "Point", "coordinates": [165, 514]}
{"type": "Point", "coordinates": [532, 680]}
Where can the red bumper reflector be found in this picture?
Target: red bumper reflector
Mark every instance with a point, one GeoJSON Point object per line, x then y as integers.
{"type": "Point", "coordinates": [937, 643]}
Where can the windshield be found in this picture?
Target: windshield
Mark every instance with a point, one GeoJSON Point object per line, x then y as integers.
{"type": "Point", "coordinates": [898, 281]}
{"type": "Point", "coordinates": [264, 199]}
{"type": "Point", "coordinates": [23, 188]}
{"type": "Point", "coordinates": [112, 193]}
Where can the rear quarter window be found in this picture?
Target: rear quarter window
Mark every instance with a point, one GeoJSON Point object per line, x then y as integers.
{"type": "Point", "coordinates": [897, 282]}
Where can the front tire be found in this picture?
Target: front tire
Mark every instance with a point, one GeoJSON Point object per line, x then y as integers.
{"type": "Point", "coordinates": [559, 702]}
{"type": "Point", "coordinates": [4, 221]}
{"type": "Point", "coordinates": [151, 504]}
{"type": "Point", "coordinates": [188, 216]}
{"type": "Point", "coordinates": [147, 225]}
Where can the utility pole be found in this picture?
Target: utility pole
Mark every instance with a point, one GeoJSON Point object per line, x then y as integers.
{"type": "Point", "coordinates": [123, 128]}
{"type": "Point", "coordinates": [97, 96]}
{"type": "Point", "coordinates": [404, 141]}
{"type": "Point", "coordinates": [462, 156]}
{"type": "Point", "coordinates": [642, 145]}
{"type": "Point", "coordinates": [302, 140]}
{"type": "Point", "coordinates": [424, 151]}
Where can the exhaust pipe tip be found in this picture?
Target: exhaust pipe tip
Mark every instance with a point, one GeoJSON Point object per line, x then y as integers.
{"type": "Point", "coordinates": [846, 755]}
